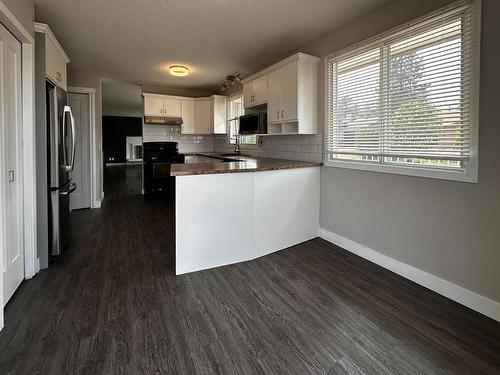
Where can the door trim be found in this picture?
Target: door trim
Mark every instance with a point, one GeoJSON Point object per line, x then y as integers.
{"type": "Point", "coordinates": [27, 153]}
{"type": "Point", "coordinates": [95, 199]}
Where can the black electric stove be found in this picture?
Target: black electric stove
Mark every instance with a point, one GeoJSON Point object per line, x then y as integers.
{"type": "Point", "coordinates": [158, 156]}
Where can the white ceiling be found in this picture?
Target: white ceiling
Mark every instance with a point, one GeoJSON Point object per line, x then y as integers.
{"type": "Point", "coordinates": [136, 40]}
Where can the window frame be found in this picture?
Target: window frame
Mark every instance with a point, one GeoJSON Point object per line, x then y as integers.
{"type": "Point", "coordinates": [236, 95]}
{"type": "Point", "coordinates": [470, 171]}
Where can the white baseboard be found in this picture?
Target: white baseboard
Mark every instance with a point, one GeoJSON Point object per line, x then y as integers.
{"type": "Point", "coordinates": [96, 204]}
{"type": "Point", "coordinates": [452, 291]}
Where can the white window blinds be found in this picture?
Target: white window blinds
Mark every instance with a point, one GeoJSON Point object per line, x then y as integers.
{"type": "Point", "coordinates": [406, 98]}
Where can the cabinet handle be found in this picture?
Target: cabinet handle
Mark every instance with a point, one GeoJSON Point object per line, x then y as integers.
{"type": "Point", "coordinates": [282, 112]}
{"type": "Point", "coordinates": [11, 176]}
{"type": "Point", "coordinates": [58, 76]}
{"type": "Point", "coordinates": [278, 114]}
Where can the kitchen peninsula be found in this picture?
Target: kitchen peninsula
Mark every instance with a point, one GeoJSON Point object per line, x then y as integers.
{"type": "Point", "coordinates": [239, 208]}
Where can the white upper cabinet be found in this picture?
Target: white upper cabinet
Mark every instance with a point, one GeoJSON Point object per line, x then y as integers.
{"type": "Point", "coordinates": [187, 110]}
{"type": "Point", "coordinates": [255, 92]}
{"type": "Point", "coordinates": [199, 115]}
{"type": "Point", "coordinates": [153, 105]}
{"type": "Point", "coordinates": [219, 114]}
{"type": "Point", "coordinates": [161, 105]}
{"type": "Point", "coordinates": [202, 114]}
{"type": "Point", "coordinates": [292, 86]}
{"type": "Point", "coordinates": [55, 57]}
{"type": "Point", "coordinates": [172, 107]}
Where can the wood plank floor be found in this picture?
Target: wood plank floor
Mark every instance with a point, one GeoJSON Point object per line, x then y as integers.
{"type": "Point", "coordinates": [112, 305]}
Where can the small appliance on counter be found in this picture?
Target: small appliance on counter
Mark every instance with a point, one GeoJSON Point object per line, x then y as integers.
{"type": "Point", "coordinates": [158, 156]}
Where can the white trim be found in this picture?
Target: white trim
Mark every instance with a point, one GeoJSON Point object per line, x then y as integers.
{"type": "Point", "coordinates": [470, 171]}
{"type": "Point", "coordinates": [440, 174]}
{"type": "Point", "coordinates": [29, 161]}
{"type": "Point", "coordinates": [44, 28]}
{"type": "Point", "coordinates": [294, 57]}
{"type": "Point", "coordinates": [28, 130]}
{"type": "Point", "coordinates": [14, 26]}
{"type": "Point", "coordinates": [452, 291]}
{"type": "Point", "coordinates": [95, 201]}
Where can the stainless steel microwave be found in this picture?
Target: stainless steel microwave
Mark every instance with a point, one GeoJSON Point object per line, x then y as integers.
{"type": "Point", "coordinates": [253, 123]}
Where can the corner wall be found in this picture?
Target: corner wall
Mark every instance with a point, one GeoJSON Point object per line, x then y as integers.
{"type": "Point", "coordinates": [448, 229]}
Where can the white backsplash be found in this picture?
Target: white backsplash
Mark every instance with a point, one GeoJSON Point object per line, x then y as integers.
{"type": "Point", "coordinates": [186, 143]}
{"type": "Point", "coordinates": [296, 147]}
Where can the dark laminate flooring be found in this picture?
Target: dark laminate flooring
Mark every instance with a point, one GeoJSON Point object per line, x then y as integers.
{"type": "Point", "coordinates": [122, 180]}
{"type": "Point", "coordinates": [112, 305]}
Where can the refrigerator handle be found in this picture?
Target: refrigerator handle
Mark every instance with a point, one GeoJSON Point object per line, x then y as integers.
{"type": "Point", "coordinates": [67, 109]}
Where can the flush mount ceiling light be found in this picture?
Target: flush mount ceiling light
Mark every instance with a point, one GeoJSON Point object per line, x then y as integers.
{"type": "Point", "coordinates": [178, 70]}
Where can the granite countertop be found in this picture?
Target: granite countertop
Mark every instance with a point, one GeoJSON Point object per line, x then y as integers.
{"type": "Point", "coordinates": [236, 164]}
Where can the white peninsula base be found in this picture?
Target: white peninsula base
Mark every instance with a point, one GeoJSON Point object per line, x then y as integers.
{"type": "Point", "coordinates": [234, 217]}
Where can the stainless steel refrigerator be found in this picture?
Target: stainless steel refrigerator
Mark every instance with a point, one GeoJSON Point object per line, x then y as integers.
{"type": "Point", "coordinates": [61, 158]}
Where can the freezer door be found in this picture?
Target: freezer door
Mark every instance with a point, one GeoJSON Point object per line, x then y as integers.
{"type": "Point", "coordinates": [59, 218]}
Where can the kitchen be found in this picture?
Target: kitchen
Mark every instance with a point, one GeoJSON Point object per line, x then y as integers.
{"type": "Point", "coordinates": [237, 187]}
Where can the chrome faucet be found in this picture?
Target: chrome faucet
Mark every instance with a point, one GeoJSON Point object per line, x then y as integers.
{"type": "Point", "coordinates": [237, 149]}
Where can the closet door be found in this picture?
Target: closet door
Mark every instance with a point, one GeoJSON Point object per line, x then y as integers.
{"type": "Point", "coordinates": [10, 157]}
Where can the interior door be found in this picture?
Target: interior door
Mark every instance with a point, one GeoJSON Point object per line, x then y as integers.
{"type": "Point", "coordinates": [11, 138]}
{"type": "Point", "coordinates": [79, 104]}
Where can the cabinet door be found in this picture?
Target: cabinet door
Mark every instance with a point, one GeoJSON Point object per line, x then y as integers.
{"type": "Point", "coordinates": [153, 106]}
{"type": "Point", "coordinates": [259, 86]}
{"type": "Point", "coordinates": [187, 112]}
{"type": "Point", "coordinates": [248, 94]}
{"type": "Point", "coordinates": [289, 91]}
{"type": "Point", "coordinates": [202, 112]}
{"type": "Point", "coordinates": [55, 64]}
{"type": "Point", "coordinates": [172, 107]}
{"type": "Point", "coordinates": [219, 110]}
{"type": "Point", "coordinates": [274, 96]}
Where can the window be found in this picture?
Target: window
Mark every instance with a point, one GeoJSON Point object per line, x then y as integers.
{"type": "Point", "coordinates": [235, 110]}
{"type": "Point", "coordinates": [406, 102]}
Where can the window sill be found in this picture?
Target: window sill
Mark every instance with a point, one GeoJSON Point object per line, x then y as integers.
{"type": "Point", "coordinates": [467, 175]}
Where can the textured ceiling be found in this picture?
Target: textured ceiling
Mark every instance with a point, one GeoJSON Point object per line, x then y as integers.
{"type": "Point", "coordinates": [136, 40]}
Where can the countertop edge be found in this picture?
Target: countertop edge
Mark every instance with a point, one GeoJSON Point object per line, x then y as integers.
{"type": "Point", "coordinates": [262, 165]}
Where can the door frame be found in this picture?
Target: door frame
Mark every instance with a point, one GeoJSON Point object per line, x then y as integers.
{"type": "Point", "coordinates": [27, 153]}
{"type": "Point", "coordinates": [95, 201]}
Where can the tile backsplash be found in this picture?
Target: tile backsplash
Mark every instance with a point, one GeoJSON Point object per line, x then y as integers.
{"type": "Point", "coordinates": [296, 147]}
{"type": "Point", "coordinates": [293, 147]}
{"type": "Point", "coordinates": [186, 143]}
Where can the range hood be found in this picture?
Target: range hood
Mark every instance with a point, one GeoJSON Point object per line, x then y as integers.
{"type": "Point", "coordinates": [158, 120]}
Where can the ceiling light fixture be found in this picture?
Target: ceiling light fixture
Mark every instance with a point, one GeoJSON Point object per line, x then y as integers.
{"type": "Point", "coordinates": [179, 70]}
{"type": "Point", "coordinates": [231, 80]}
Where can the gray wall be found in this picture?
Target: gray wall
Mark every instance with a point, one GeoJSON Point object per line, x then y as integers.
{"type": "Point", "coordinates": [92, 79]}
{"type": "Point", "coordinates": [449, 229]}
{"type": "Point", "coordinates": [24, 11]}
